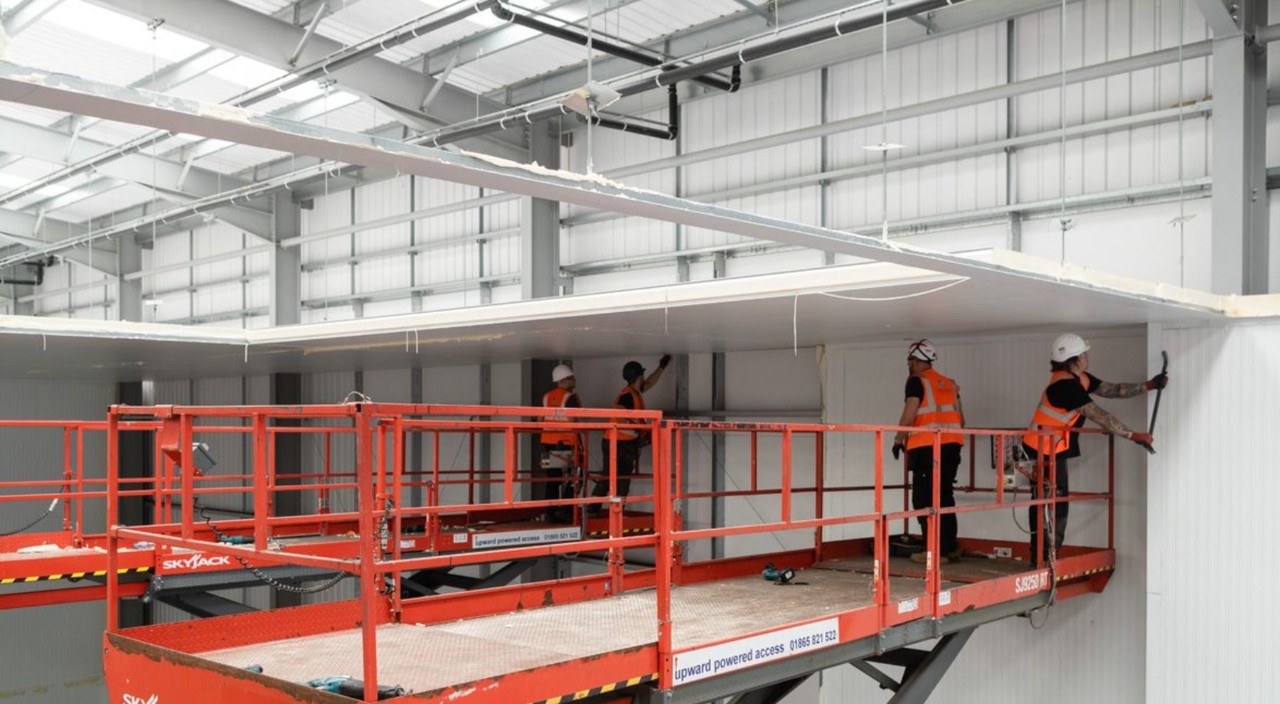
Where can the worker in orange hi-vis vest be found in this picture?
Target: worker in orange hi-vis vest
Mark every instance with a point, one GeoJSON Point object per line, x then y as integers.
{"type": "Point", "coordinates": [1064, 405]}
{"type": "Point", "coordinates": [630, 441]}
{"type": "Point", "coordinates": [561, 449]}
{"type": "Point", "coordinates": [932, 402]}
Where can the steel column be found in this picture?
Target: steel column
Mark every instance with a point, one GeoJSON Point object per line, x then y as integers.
{"type": "Point", "coordinates": [1240, 258]}
{"type": "Point", "coordinates": [540, 225]}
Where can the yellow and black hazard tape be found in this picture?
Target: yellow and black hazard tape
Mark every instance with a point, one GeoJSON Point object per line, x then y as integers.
{"type": "Point", "coordinates": [625, 531]}
{"type": "Point", "coordinates": [1086, 573]}
{"type": "Point", "coordinates": [71, 575]}
{"type": "Point", "coordinates": [596, 691]}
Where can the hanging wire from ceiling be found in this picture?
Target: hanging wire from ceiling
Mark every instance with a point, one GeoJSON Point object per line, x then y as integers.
{"type": "Point", "coordinates": [1182, 111]}
{"type": "Point", "coordinates": [1063, 223]}
{"type": "Point", "coordinates": [884, 120]}
{"type": "Point", "coordinates": [591, 108]}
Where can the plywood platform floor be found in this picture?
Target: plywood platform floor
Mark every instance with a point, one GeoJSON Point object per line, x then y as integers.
{"type": "Point", "coordinates": [424, 658]}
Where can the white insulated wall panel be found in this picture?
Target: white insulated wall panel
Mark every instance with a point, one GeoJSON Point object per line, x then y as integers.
{"type": "Point", "coordinates": [616, 238]}
{"type": "Point", "coordinates": [1211, 522]}
{"type": "Point", "coordinates": [1146, 242]}
{"type": "Point", "coordinates": [1097, 32]}
{"type": "Point", "coordinates": [1000, 379]}
{"type": "Point", "coordinates": [373, 202]}
{"type": "Point", "coordinates": [432, 193]}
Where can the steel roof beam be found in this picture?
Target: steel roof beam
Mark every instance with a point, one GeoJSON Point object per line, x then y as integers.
{"type": "Point", "coordinates": [1218, 17]}
{"type": "Point", "coordinates": [50, 146]}
{"type": "Point", "coordinates": [34, 87]}
{"type": "Point", "coordinates": [241, 30]}
{"type": "Point", "coordinates": [20, 229]}
{"type": "Point", "coordinates": [25, 14]}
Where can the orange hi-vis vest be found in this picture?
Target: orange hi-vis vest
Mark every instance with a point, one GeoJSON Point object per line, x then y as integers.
{"type": "Point", "coordinates": [1048, 415]}
{"type": "Point", "coordinates": [637, 404]}
{"type": "Point", "coordinates": [559, 398]}
{"type": "Point", "coordinates": [938, 409]}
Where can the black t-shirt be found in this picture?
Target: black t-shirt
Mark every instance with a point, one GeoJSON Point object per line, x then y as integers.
{"type": "Point", "coordinates": [1069, 394]}
{"type": "Point", "coordinates": [573, 401]}
{"type": "Point", "coordinates": [915, 388]}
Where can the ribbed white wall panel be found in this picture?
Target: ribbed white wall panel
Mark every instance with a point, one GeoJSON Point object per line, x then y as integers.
{"type": "Point", "coordinates": [214, 239]}
{"type": "Point", "coordinates": [1099, 31]}
{"type": "Point", "coordinates": [1091, 648]}
{"type": "Point", "coordinates": [170, 287]}
{"type": "Point", "coordinates": [55, 278]}
{"type": "Point", "coordinates": [632, 278]}
{"type": "Point", "coordinates": [326, 313]}
{"type": "Point", "coordinates": [434, 193]}
{"type": "Point", "coordinates": [330, 211]}
{"type": "Point", "coordinates": [445, 264]}
{"type": "Point", "coordinates": [1212, 521]}
{"type": "Point", "coordinates": [218, 298]}
{"type": "Point", "coordinates": [615, 239]}
{"type": "Point", "coordinates": [375, 201]}
{"type": "Point", "coordinates": [502, 256]}
{"type": "Point", "coordinates": [399, 306]}
{"type": "Point", "coordinates": [380, 200]}
{"type": "Point", "coordinates": [1140, 241]}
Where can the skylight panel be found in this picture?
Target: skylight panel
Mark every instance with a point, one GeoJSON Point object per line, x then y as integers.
{"type": "Point", "coordinates": [244, 71]}
{"type": "Point", "coordinates": [121, 30]}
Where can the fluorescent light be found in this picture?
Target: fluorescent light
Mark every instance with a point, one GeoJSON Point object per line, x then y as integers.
{"type": "Point", "coordinates": [883, 147]}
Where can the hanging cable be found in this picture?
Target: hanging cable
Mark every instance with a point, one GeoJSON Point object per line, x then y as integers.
{"type": "Point", "coordinates": [591, 101]}
{"type": "Point", "coordinates": [884, 119]}
{"type": "Point", "coordinates": [1182, 111]}
{"type": "Point", "coordinates": [1063, 224]}
{"type": "Point", "coordinates": [53, 504]}
{"type": "Point", "coordinates": [262, 576]}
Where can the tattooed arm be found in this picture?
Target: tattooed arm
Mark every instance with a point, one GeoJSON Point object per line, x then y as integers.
{"type": "Point", "coordinates": [1109, 423]}
{"type": "Point", "coordinates": [1106, 389]}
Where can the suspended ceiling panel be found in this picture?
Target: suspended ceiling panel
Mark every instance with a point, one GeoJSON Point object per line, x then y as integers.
{"type": "Point", "coordinates": [833, 305]}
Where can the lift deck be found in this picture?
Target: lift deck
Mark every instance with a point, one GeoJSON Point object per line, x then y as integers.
{"type": "Point", "coordinates": [677, 631]}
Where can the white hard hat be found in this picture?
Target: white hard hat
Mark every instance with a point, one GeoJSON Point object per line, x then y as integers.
{"type": "Point", "coordinates": [923, 351]}
{"type": "Point", "coordinates": [1068, 346]}
{"type": "Point", "coordinates": [561, 372]}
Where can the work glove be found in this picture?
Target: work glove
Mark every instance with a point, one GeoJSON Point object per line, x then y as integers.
{"type": "Point", "coordinates": [662, 363]}
{"type": "Point", "coordinates": [897, 450]}
{"type": "Point", "coordinates": [1159, 381]}
{"type": "Point", "coordinates": [1142, 438]}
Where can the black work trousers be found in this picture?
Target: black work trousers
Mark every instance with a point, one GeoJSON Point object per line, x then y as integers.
{"type": "Point", "coordinates": [1058, 465]}
{"type": "Point", "coordinates": [628, 464]}
{"type": "Point", "coordinates": [920, 462]}
{"type": "Point", "coordinates": [558, 465]}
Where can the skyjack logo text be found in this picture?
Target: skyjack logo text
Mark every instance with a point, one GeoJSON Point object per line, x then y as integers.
{"type": "Point", "coordinates": [195, 562]}
{"type": "Point", "coordinates": [130, 699]}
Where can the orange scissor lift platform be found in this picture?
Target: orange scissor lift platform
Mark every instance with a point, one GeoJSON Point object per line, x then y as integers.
{"type": "Point", "coordinates": [690, 630]}
{"type": "Point", "coordinates": [70, 564]}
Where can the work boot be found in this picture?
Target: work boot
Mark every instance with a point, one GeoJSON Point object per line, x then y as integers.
{"type": "Point", "coordinates": [921, 557]}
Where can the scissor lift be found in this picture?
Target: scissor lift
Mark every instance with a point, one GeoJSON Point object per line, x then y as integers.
{"type": "Point", "coordinates": [680, 630]}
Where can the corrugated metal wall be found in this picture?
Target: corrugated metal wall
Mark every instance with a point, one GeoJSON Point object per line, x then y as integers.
{"type": "Point", "coordinates": [1212, 523]}
{"type": "Point", "coordinates": [54, 654]}
{"type": "Point", "coordinates": [1091, 648]}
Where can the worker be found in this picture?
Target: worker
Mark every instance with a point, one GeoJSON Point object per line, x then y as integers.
{"type": "Point", "coordinates": [932, 402]}
{"type": "Point", "coordinates": [1064, 405]}
{"type": "Point", "coordinates": [630, 440]}
{"type": "Point", "coordinates": [561, 449]}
